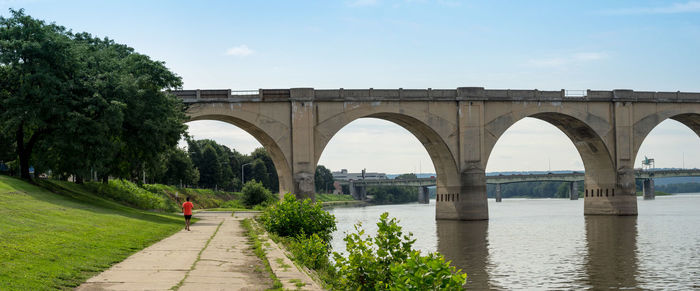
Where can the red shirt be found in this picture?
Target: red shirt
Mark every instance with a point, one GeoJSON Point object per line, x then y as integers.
{"type": "Point", "coordinates": [187, 207]}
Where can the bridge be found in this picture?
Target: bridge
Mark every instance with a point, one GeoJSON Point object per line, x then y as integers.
{"type": "Point", "coordinates": [358, 187]}
{"type": "Point", "coordinates": [458, 128]}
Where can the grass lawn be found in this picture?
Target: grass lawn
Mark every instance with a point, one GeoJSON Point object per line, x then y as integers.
{"type": "Point", "coordinates": [333, 197]}
{"type": "Point", "coordinates": [57, 241]}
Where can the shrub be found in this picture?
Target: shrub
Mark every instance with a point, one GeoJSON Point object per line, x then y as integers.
{"type": "Point", "coordinates": [377, 263]}
{"type": "Point", "coordinates": [131, 194]}
{"type": "Point", "coordinates": [429, 272]}
{"type": "Point", "coordinates": [368, 262]}
{"type": "Point", "coordinates": [255, 193]}
{"type": "Point", "coordinates": [291, 217]}
{"type": "Point", "coordinates": [311, 251]}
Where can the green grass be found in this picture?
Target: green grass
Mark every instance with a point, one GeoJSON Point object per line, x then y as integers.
{"type": "Point", "coordinates": [333, 197]}
{"type": "Point", "coordinates": [202, 198]}
{"type": "Point", "coordinates": [54, 241]}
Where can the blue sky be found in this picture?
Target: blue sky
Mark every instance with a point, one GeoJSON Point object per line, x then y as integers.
{"type": "Point", "coordinates": [641, 45]}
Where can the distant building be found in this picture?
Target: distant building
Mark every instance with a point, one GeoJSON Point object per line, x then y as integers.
{"type": "Point", "coordinates": [344, 175]}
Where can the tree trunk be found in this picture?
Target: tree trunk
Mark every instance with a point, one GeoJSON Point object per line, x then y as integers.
{"type": "Point", "coordinates": [79, 180]}
{"type": "Point", "coordinates": [105, 179]}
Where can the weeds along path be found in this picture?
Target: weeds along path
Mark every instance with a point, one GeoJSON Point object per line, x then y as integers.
{"type": "Point", "coordinates": [214, 255]}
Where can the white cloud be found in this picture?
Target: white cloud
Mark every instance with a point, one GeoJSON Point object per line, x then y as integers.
{"type": "Point", "coordinates": [573, 59]}
{"type": "Point", "coordinates": [240, 51]}
{"type": "Point", "coordinates": [687, 7]}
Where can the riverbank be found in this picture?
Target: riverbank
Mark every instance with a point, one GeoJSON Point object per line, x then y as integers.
{"type": "Point", "coordinates": [59, 239]}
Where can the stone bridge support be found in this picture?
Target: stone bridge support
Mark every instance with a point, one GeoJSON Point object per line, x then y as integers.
{"type": "Point", "coordinates": [423, 195]}
{"type": "Point", "coordinates": [303, 151]}
{"type": "Point", "coordinates": [648, 189]}
{"type": "Point", "coordinates": [498, 193]}
{"type": "Point", "coordinates": [573, 191]}
{"type": "Point", "coordinates": [359, 192]}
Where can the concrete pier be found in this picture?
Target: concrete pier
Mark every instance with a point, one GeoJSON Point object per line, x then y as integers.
{"type": "Point", "coordinates": [498, 193]}
{"type": "Point", "coordinates": [648, 189]}
{"type": "Point", "coordinates": [573, 191]}
{"type": "Point", "coordinates": [423, 195]}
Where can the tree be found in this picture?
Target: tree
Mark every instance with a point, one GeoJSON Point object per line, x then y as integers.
{"type": "Point", "coordinates": [37, 66]}
{"type": "Point", "coordinates": [323, 178]}
{"type": "Point", "coordinates": [178, 169]}
{"type": "Point", "coordinates": [209, 168]}
{"type": "Point", "coordinates": [270, 180]}
{"type": "Point", "coordinates": [88, 104]}
{"type": "Point", "coordinates": [255, 193]}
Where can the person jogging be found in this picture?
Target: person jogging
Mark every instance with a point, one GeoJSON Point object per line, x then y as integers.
{"type": "Point", "coordinates": [187, 210]}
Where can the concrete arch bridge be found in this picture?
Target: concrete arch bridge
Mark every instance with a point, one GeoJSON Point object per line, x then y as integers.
{"type": "Point", "coordinates": [458, 127]}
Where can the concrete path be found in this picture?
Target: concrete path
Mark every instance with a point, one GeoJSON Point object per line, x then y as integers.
{"type": "Point", "coordinates": [213, 256]}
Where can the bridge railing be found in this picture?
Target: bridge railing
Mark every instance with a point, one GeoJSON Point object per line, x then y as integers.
{"type": "Point", "coordinates": [461, 93]}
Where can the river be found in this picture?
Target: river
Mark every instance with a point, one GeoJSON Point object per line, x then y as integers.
{"type": "Point", "coordinates": [549, 243]}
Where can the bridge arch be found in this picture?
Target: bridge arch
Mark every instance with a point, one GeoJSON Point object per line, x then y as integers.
{"type": "Point", "coordinates": [586, 131]}
{"type": "Point", "coordinates": [420, 123]}
{"type": "Point", "coordinates": [687, 115]}
{"type": "Point", "coordinates": [261, 127]}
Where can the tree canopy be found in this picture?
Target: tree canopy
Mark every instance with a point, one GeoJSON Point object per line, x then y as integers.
{"type": "Point", "coordinates": [81, 105]}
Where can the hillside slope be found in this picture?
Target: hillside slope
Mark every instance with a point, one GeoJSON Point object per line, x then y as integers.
{"type": "Point", "coordinates": [57, 241]}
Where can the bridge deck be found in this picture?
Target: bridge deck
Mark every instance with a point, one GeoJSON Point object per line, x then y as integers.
{"type": "Point", "coordinates": [461, 93]}
{"type": "Point", "coordinates": [507, 179]}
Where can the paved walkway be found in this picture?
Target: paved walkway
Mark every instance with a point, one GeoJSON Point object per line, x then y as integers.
{"type": "Point", "coordinates": [215, 255]}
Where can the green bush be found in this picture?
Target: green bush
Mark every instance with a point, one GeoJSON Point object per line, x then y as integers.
{"type": "Point", "coordinates": [255, 193]}
{"type": "Point", "coordinates": [429, 272]}
{"type": "Point", "coordinates": [291, 217]}
{"type": "Point", "coordinates": [375, 263]}
{"type": "Point", "coordinates": [311, 251]}
{"type": "Point", "coordinates": [131, 194]}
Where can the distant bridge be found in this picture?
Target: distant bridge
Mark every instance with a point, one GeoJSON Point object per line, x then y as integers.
{"type": "Point", "coordinates": [357, 187]}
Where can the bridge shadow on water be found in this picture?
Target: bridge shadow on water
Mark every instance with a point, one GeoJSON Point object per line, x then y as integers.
{"type": "Point", "coordinates": [609, 257]}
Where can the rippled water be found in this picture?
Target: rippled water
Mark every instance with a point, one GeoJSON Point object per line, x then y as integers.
{"type": "Point", "coordinates": [550, 244]}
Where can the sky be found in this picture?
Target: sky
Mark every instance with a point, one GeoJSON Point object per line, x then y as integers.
{"type": "Point", "coordinates": [547, 45]}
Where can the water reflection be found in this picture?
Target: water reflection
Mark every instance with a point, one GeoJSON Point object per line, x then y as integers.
{"type": "Point", "coordinates": [466, 244]}
{"type": "Point", "coordinates": [612, 252]}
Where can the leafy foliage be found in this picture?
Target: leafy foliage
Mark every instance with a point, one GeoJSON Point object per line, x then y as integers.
{"type": "Point", "coordinates": [311, 251]}
{"type": "Point", "coordinates": [393, 194]}
{"type": "Point", "coordinates": [221, 168]}
{"type": "Point", "coordinates": [544, 189]}
{"type": "Point", "coordinates": [80, 105]}
{"type": "Point", "coordinates": [291, 218]}
{"type": "Point", "coordinates": [429, 272]}
{"type": "Point", "coordinates": [131, 194]}
{"type": "Point", "coordinates": [323, 178]}
{"type": "Point", "coordinates": [376, 263]}
{"type": "Point", "coordinates": [255, 193]}
{"type": "Point", "coordinates": [175, 168]}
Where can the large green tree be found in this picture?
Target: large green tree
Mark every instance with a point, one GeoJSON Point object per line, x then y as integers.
{"type": "Point", "coordinates": [90, 105]}
{"type": "Point", "coordinates": [37, 70]}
